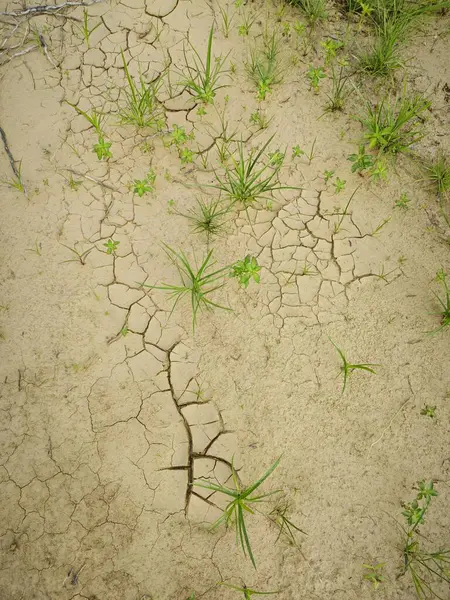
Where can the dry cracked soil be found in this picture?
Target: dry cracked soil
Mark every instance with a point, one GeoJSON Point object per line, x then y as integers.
{"type": "Point", "coordinates": [112, 407]}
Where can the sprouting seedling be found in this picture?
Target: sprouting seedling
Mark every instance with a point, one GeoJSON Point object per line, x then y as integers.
{"type": "Point", "coordinates": [379, 171]}
{"type": "Point", "coordinates": [441, 277]}
{"type": "Point", "coordinates": [202, 79]}
{"type": "Point", "coordinates": [379, 227]}
{"type": "Point", "coordinates": [297, 152]}
{"type": "Point", "coordinates": [428, 411]}
{"type": "Point", "coordinates": [330, 48]}
{"type": "Point", "coordinates": [340, 89]}
{"type": "Point", "coordinates": [242, 499]}
{"type": "Point", "coordinates": [339, 185]}
{"type": "Point", "coordinates": [360, 160]}
{"type": "Point", "coordinates": [259, 119]}
{"type": "Point", "coordinates": [348, 368]}
{"type": "Point", "coordinates": [244, 27]}
{"type": "Point", "coordinates": [111, 246]}
{"type": "Point", "coordinates": [102, 148]}
{"type": "Point", "coordinates": [279, 516]}
{"type": "Point", "coordinates": [84, 28]}
{"type": "Point", "coordinates": [248, 592]}
{"type": "Point", "coordinates": [16, 182]}
{"type": "Point", "coordinates": [198, 284]}
{"type": "Point", "coordinates": [74, 184]}
{"type": "Point", "coordinates": [37, 248]}
{"type": "Point", "coordinates": [315, 74]}
{"type": "Point", "coordinates": [337, 226]}
{"type": "Point", "coordinates": [327, 175]}
{"type": "Point", "coordinates": [227, 20]}
{"type": "Point", "coordinates": [78, 256]}
{"type": "Point", "coordinates": [178, 136]}
{"type": "Point", "coordinates": [246, 270]}
{"type": "Point", "coordinates": [93, 117]}
{"type": "Point", "coordinates": [403, 201]}
{"type": "Point", "coordinates": [186, 155]}
{"type": "Point", "coordinates": [276, 158]}
{"type": "Point", "coordinates": [141, 106]}
{"type": "Point", "coordinates": [422, 565]}
{"type": "Point", "coordinates": [373, 574]}
{"type": "Point", "coordinates": [143, 186]}
{"type": "Point", "coordinates": [247, 180]}
{"type": "Point", "coordinates": [208, 217]}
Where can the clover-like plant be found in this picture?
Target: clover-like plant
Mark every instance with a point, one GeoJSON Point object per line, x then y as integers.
{"type": "Point", "coordinates": [246, 270]}
{"type": "Point", "coordinates": [240, 503]}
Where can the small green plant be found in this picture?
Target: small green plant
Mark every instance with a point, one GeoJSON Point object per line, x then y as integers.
{"type": "Point", "coordinates": [143, 186]}
{"type": "Point", "coordinates": [360, 161]}
{"type": "Point", "coordinates": [248, 592]}
{"type": "Point", "coordinates": [208, 217]}
{"type": "Point", "coordinates": [348, 368]}
{"type": "Point", "coordinates": [111, 246]}
{"type": "Point", "coordinates": [395, 128]}
{"type": "Point", "coordinates": [197, 283]}
{"type": "Point", "coordinates": [339, 185]}
{"type": "Point", "coordinates": [276, 158]}
{"type": "Point", "coordinates": [423, 566]}
{"type": "Point", "coordinates": [279, 516]}
{"type": "Point", "coordinates": [264, 67]}
{"type": "Point", "coordinates": [428, 411]}
{"type": "Point", "coordinates": [259, 119]}
{"type": "Point", "coordinates": [402, 202]}
{"type": "Point", "coordinates": [186, 155]}
{"type": "Point", "coordinates": [93, 117]}
{"type": "Point", "coordinates": [84, 29]}
{"type": "Point", "coordinates": [340, 89]}
{"type": "Point", "coordinates": [437, 172]}
{"type": "Point", "coordinates": [16, 182]}
{"type": "Point", "coordinates": [242, 500]}
{"type": "Point", "coordinates": [227, 20]}
{"type": "Point", "coordinates": [247, 22]}
{"type": "Point", "coordinates": [330, 48]}
{"type": "Point", "coordinates": [315, 10]}
{"type": "Point", "coordinates": [315, 74]}
{"type": "Point", "coordinates": [247, 180]}
{"type": "Point", "coordinates": [297, 152]}
{"type": "Point", "coordinates": [78, 256]}
{"type": "Point", "coordinates": [246, 270]}
{"type": "Point", "coordinates": [178, 136]}
{"type": "Point", "coordinates": [327, 175]}
{"type": "Point", "coordinates": [374, 574]}
{"type": "Point", "coordinates": [379, 171]}
{"type": "Point", "coordinates": [202, 79]}
{"type": "Point", "coordinates": [141, 106]}
{"type": "Point", "coordinates": [441, 277]}
{"type": "Point", "coordinates": [102, 148]}
{"type": "Point", "coordinates": [74, 184]}
{"type": "Point", "coordinates": [37, 249]}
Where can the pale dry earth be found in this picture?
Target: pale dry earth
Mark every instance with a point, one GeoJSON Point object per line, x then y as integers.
{"type": "Point", "coordinates": [101, 433]}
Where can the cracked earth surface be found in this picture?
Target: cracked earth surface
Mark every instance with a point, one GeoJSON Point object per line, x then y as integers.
{"type": "Point", "coordinates": [110, 406]}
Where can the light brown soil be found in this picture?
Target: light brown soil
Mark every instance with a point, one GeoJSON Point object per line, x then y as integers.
{"type": "Point", "coordinates": [101, 432]}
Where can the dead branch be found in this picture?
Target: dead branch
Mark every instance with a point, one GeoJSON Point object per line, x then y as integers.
{"type": "Point", "coordinates": [12, 162]}
{"type": "Point", "coordinates": [55, 8]}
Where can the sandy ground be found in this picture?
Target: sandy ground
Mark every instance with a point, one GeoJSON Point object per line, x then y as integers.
{"type": "Point", "coordinates": [110, 409]}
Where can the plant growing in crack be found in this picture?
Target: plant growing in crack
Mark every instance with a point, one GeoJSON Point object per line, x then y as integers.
{"type": "Point", "coordinates": [77, 255]}
{"type": "Point", "coordinates": [102, 148]}
{"type": "Point", "coordinates": [348, 368]}
{"type": "Point", "coordinates": [245, 270]}
{"type": "Point", "coordinates": [247, 180]}
{"type": "Point", "coordinates": [111, 246]}
{"type": "Point", "coordinates": [240, 503]}
{"type": "Point", "coordinates": [207, 217]}
{"type": "Point", "coordinates": [141, 106]}
{"type": "Point", "coordinates": [85, 30]}
{"type": "Point", "coordinates": [202, 79]}
{"type": "Point", "coordinates": [197, 283]}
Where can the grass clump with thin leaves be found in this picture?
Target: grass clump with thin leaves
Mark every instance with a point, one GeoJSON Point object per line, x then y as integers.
{"type": "Point", "coordinates": [427, 569]}
{"type": "Point", "coordinates": [348, 368]}
{"type": "Point", "coordinates": [141, 106]}
{"type": "Point", "coordinates": [196, 283]}
{"type": "Point", "coordinates": [393, 128]}
{"type": "Point", "coordinates": [444, 302]}
{"type": "Point", "coordinates": [249, 178]}
{"type": "Point", "coordinates": [240, 504]}
{"type": "Point", "coordinates": [315, 10]}
{"type": "Point", "coordinates": [207, 217]}
{"type": "Point", "coordinates": [264, 67]}
{"type": "Point", "coordinates": [202, 78]}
